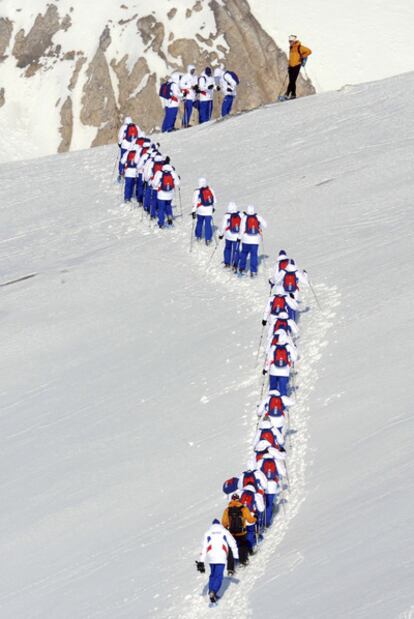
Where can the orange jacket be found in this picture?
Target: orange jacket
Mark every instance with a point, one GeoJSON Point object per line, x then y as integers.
{"type": "Point", "coordinates": [297, 53]}
{"type": "Point", "coordinates": [246, 515]}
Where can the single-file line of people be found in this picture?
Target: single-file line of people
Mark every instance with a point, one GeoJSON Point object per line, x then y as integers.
{"type": "Point", "coordinates": [256, 495]}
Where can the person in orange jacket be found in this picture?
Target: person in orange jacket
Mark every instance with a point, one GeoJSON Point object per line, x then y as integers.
{"type": "Point", "coordinates": [235, 518]}
{"type": "Point", "coordinates": [298, 56]}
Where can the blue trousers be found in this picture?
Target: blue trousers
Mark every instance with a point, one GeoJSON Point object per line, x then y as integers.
{"type": "Point", "coordinates": [153, 203]}
{"type": "Point", "coordinates": [122, 152]}
{"type": "Point", "coordinates": [216, 577]}
{"type": "Point", "coordinates": [227, 105]}
{"type": "Point", "coordinates": [164, 210]}
{"type": "Point", "coordinates": [269, 508]}
{"type": "Point", "coordinates": [206, 221]}
{"type": "Point", "coordinates": [204, 113]}
{"type": "Point", "coordinates": [280, 383]}
{"type": "Point", "coordinates": [129, 188]}
{"type": "Point", "coordinates": [231, 253]}
{"type": "Point", "coordinates": [188, 110]}
{"type": "Point", "coordinates": [169, 119]}
{"type": "Point", "coordinates": [140, 189]}
{"type": "Point", "coordinates": [251, 535]}
{"type": "Point", "coordinates": [247, 250]}
{"type": "Point", "coordinates": [147, 198]}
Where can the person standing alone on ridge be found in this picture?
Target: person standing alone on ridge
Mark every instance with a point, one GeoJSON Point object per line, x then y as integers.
{"type": "Point", "coordinates": [298, 55]}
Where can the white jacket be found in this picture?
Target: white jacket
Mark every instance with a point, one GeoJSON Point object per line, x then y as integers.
{"type": "Point", "coordinates": [198, 207]}
{"type": "Point", "coordinates": [187, 85]}
{"type": "Point", "coordinates": [267, 424]}
{"type": "Point", "coordinates": [302, 276]}
{"type": "Point", "coordinates": [174, 100]}
{"type": "Point", "coordinates": [273, 487]}
{"type": "Point", "coordinates": [292, 303]}
{"type": "Point", "coordinates": [251, 239]}
{"type": "Point", "coordinates": [260, 478]}
{"type": "Point", "coordinates": [257, 497]}
{"type": "Point", "coordinates": [216, 543]}
{"type": "Point", "coordinates": [228, 85]}
{"type": "Point", "coordinates": [273, 369]}
{"type": "Point", "coordinates": [225, 228]}
{"type": "Point", "coordinates": [130, 172]}
{"type": "Point", "coordinates": [264, 404]}
{"type": "Point", "coordinates": [156, 183]}
{"type": "Point", "coordinates": [206, 87]}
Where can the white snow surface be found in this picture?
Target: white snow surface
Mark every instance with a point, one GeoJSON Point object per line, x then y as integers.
{"type": "Point", "coordinates": [129, 378]}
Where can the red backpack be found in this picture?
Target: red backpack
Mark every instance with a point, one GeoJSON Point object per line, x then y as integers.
{"type": "Point", "coordinates": [167, 181]}
{"type": "Point", "coordinates": [157, 167]}
{"type": "Point", "coordinates": [275, 404]}
{"type": "Point", "coordinates": [131, 132]}
{"type": "Point", "coordinates": [269, 468]}
{"type": "Point", "coordinates": [278, 305]}
{"type": "Point", "coordinates": [247, 499]}
{"type": "Point", "coordinates": [281, 357]}
{"type": "Point", "coordinates": [234, 223]}
{"type": "Point", "coordinates": [252, 225]}
{"type": "Point", "coordinates": [290, 282]}
{"type": "Point", "coordinates": [130, 163]}
{"type": "Point", "coordinates": [267, 435]}
{"type": "Point", "coordinates": [283, 264]}
{"type": "Point", "coordinates": [281, 323]}
{"type": "Point", "coordinates": [249, 479]}
{"type": "Point", "coordinates": [206, 196]}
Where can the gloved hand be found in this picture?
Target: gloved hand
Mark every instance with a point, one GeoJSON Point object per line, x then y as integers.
{"type": "Point", "coordinates": [264, 322]}
{"type": "Point", "coordinates": [218, 88]}
{"type": "Point", "coordinates": [214, 210]}
{"type": "Point", "coordinates": [193, 215]}
{"type": "Point", "coordinates": [211, 87]}
{"type": "Point", "coordinates": [229, 90]}
{"type": "Point", "coordinates": [264, 372]}
{"type": "Point", "coordinates": [220, 236]}
{"type": "Point", "coordinates": [304, 61]}
{"type": "Point", "coordinates": [200, 567]}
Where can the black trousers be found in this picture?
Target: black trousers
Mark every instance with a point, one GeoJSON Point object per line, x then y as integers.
{"type": "Point", "coordinates": [293, 73]}
{"type": "Point", "coordinates": [243, 547]}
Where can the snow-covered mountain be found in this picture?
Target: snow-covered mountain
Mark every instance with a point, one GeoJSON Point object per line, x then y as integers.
{"type": "Point", "coordinates": [129, 378]}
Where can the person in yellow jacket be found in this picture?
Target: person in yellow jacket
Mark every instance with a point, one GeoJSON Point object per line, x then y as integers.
{"type": "Point", "coordinates": [298, 56]}
{"type": "Point", "coordinates": [235, 518]}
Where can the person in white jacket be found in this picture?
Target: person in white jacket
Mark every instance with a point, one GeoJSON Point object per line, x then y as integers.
{"type": "Point", "coordinates": [205, 95]}
{"type": "Point", "coordinates": [126, 135]}
{"type": "Point", "coordinates": [129, 164]}
{"type": "Point", "coordinates": [228, 85]}
{"type": "Point", "coordinates": [204, 201]}
{"type": "Point", "coordinates": [268, 467]}
{"type": "Point", "coordinates": [251, 230]}
{"type": "Point", "coordinates": [188, 85]}
{"type": "Point", "coordinates": [290, 279]}
{"type": "Point", "coordinates": [217, 542]}
{"type": "Point", "coordinates": [281, 263]}
{"type": "Point", "coordinates": [172, 104]}
{"type": "Point", "coordinates": [278, 363]}
{"type": "Point", "coordinates": [280, 302]}
{"type": "Point", "coordinates": [230, 230]}
{"type": "Point", "coordinates": [165, 183]}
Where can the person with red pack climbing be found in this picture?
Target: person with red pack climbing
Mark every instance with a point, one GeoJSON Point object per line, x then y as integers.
{"type": "Point", "coordinates": [216, 546]}
{"type": "Point", "coordinates": [230, 230]}
{"type": "Point", "coordinates": [279, 361]}
{"type": "Point", "coordinates": [268, 467]}
{"type": "Point", "coordinates": [170, 94]}
{"type": "Point", "coordinates": [250, 235]}
{"type": "Point", "coordinates": [165, 182]}
{"type": "Point", "coordinates": [236, 518]}
{"type": "Point", "coordinates": [281, 303]}
{"type": "Point", "coordinates": [204, 201]}
{"type": "Point", "coordinates": [127, 135]}
{"type": "Point", "coordinates": [129, 163]}
{"type": "Point", "coordinates": [290, 278]}
{"type": "Point", "coordinates": [298, 56]}
{"type": "Point", "coordinates": [251, 496]}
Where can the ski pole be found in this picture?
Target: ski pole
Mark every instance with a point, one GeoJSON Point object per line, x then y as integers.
{"type": "Point", "coordinates": [264, 258]}
{"type": "Point", "coordinates": [179, 199]}
{"type": "Point", "coordinates": [316, 298]}
{"type": "Point", "coordinates": [284, 86]}
{"type": "Point", "coordinates": [192, 236]}
{"type": "Point", "coordinates": [211, 257]}
{"type": "Point", "coordinates": [260, 344]}
{"type": "Point", "coordinates": [263, 386]}
{"type": "Point", "coordinates": [116, 161]}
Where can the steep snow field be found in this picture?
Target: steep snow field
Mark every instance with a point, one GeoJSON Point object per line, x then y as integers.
{"type": "Point", "coordinates": [129, 382]}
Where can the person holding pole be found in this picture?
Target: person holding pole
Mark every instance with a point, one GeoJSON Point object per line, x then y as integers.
{"type": "Point", "coordinates": [250, 235]}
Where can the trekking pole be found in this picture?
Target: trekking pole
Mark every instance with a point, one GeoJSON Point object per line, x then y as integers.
{"type": "Point", "coordinates": [263, 386]}
{"type": "Point", "coordinates": [211, 257]}
{"type": "Point", "coordinates": [115, 164]}
{"type": "Point", "coordinates": [283, 87]}
{"type": "Point", "coordinates": [316, 298]}
{"type": "Point", "coordinates": [260, 344]}
{"type": "Point", "coordinates": [179, 199]}
{"type": "Point", "coordinates": [264, 259]}
{"type": "Point", "coordinates": [192, 235]}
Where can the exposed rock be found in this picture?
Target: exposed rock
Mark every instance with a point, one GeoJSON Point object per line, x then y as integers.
{"type": "Point", "coordinates": [69, 55]}
{"type": "Point", "coordinates": [172, 13]}
{"type": "Point", "coordinates": [122, 22]}
{"type": "Point", "coordinates": [188, 13]}
{"type": "Point", "coordinates": [66, 125]}
{"type": "Point", "coordinates": [98, 101]}
{"type": "Point", "coordinates": [198, 6]}
{"type": "Point", "coordinates": [6, 29]}
{"type": "Point", "coordinates": [188, 52]}
{"type": "Point", "coordinates": [74, 79]}
{"type": "Point", "coordinates": [105, 39]}
{"type": "Point", "coordinates": [2, 97]}
{"type": "Point", "coordinates": [29, 49]}
{"type": "Point", "coordinates": [152, 33]}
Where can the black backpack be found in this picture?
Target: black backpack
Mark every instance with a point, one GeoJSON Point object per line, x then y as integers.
{"type": "Point", "coordinates": [236, 520]}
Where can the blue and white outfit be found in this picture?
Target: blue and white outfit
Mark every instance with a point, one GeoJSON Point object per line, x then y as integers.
{"type": "Point", "coordinates": [165, 196]}
{"type": "Point", "coordinates": [203, 212]}
{"type": "Point", "coordinates": [279, 371]}
{"type": "Point", "coordinates": [129, 163]}
{"type": "Point", "coordinates": [121, 137]}
{"type": "Point", "coordinates": [188, 83]}
{"type": "Point", "coordinates": [205, 95]}
{"type": "Point", "coordinates": [228, 87]}
{"type": "Point", "coordinates": [215, 548]}
{"type": "Point", "coordinates": [172, 104]}
{"type": "Point", "coordinates": [250, 240]}
{"type": "Point", "coordinates": [230, 230]}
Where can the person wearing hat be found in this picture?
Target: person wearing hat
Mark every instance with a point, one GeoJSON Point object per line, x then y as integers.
{"type": "Point", "coordinates": [298, 55]}
{"type": "Point", "coordinates": [188, 83]}
{"type": "Point", "coordinates": [143, 158]}
{"type": "Point", "coordinates": [216, 546]}
{"type": "Point", "coordinates": [165, 182]}
{"type": "Point", "coordinates": [236, 518]}
{"type": "Point", "coordinates": [251, 230]}
{"type": "Point", "coordinates": [205, 95]}
{"type": "Point", "coordinates": [289, 279]}
{"type": "Point", "coordinates": [229, 230]}
{"type": "Point", "coordinates": [279, 361]}
{"type": "Point", "coordinates": [172, 104]}
{"type": "Point", "coordinates": [204, 202]}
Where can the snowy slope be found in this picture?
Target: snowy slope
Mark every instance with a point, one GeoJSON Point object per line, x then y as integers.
{"type": "Point", "coordinates": [353, 42]}
{"type": "Point", "coordinates": [129, 380]}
